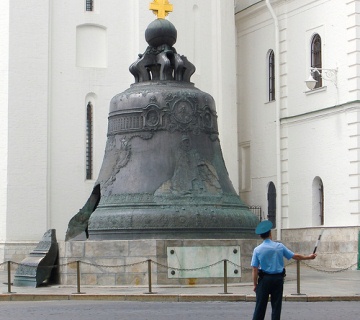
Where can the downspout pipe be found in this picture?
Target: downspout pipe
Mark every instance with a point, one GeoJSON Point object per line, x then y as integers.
{"type": "Point", "coordinates": [277, 106]}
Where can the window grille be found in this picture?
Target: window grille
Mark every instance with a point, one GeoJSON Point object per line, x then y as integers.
{"type": "Point", "coordinates": [271, 197]}
{"type": "Point", "coordinates": [321, 202]}
{"type": "Point", "coordinates": [271, 76]}
{"type": "Point", "coordinates": [89, 141]}
{"type": "Point", "coordinates": [89, 5]}
{"type": "Point", "coordinates": [316, 59]}
{"type": "Point", "coordinates": [256, 210]}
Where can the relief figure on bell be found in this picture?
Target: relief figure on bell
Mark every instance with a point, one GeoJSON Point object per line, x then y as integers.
{"type": "Point", "coordinates": [192, 174]}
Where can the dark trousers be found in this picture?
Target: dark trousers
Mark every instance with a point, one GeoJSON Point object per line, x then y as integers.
{"type": "Point", "coordinates": [269, 285]}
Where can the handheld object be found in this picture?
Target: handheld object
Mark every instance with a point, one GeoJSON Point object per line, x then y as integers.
{"type": "Point", "coordinates": [318, 240]}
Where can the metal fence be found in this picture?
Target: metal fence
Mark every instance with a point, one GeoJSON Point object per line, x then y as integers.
{"type": "Point", "coordinates": [256, 210]}
{"type": "Point", "coordinates": [150, 263]}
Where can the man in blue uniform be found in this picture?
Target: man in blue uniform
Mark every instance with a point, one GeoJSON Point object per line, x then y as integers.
{"type": "Point", "coordinates": [268, 271]}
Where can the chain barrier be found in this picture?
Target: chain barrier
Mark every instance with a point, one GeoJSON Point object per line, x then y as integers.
{"type": "Point", "coordinates": [316, 268]}
{"type": "Point", "coordinates": [113, 266]}
{"type": "Point", "coordinates": [329, 271]}
{"type": "Point", "coordinates": [52, 266]}
{"type": "Point", "coordinates": [150, 262]}
{"type": "Point", "coordinates": [184, 269]}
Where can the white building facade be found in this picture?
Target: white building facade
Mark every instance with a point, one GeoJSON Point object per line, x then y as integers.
{"type": "Point", "coordinates": [299, 148]}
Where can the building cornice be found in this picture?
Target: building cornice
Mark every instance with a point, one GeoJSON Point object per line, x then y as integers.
{"type": "Point", "coordinates": [321, 113]}
{"type": "Point", "coordinates": [240, 6]}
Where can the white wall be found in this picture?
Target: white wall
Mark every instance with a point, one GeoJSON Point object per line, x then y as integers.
{"type": "Point", "coordinates": [71, 85]}
{"type": "Point", "coordinates": [319, 129]}
{"type": "Point", "coordinates": [256, 115]}
{"type": "Point", "coordinates": [27, 120]}
{"type": "Point", "coordinates": [4, 93]}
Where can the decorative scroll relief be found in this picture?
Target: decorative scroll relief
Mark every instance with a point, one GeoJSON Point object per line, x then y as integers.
{"type": "Point", "coordinates": [153, 116]}
{"type": "Point", "coordinates": [172, 200]}
{"type": "Point", "coordinates": [125, 123]}
{"type": "Point", "coordinates": [188, 114]}
{"type": "Point", "coordinates": [148, 118]}
{"type": "Point", "coordinates": [207, 118]}
{"type": "Point", "coordinates": [168, 216]}
{"type": "Point", "coordinates": [183, 113]}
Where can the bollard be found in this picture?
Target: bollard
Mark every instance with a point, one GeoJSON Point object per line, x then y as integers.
{"type": "Point", "coordinates": [78, 276]}
{"type": "Point", "coordinates": [225, 277]}
{"type": "Point", "coordinates": [149, 276]}
{"type": "Point", "coordinates": [9, 276]}
{"type": "Point", "coordinates": [359, 251]}
{"type": "Point", "coordinates": [298, 278]}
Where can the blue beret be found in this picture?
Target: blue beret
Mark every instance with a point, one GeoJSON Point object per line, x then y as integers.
{"type": "Point", "coordinates": [263, 227]}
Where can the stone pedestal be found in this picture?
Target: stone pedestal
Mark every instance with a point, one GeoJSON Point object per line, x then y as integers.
{"type": "Point", "coordinates": [125, 262]}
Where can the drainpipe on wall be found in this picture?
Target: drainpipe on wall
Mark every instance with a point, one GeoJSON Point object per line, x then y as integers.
{"type": "Point", "coordinates": [277, 106]}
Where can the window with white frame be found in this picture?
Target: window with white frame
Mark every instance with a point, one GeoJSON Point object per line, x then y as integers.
{"type": "Point", "coordinates": [316, 60]}
{"type": "Point", "coordinates": [318, 202]}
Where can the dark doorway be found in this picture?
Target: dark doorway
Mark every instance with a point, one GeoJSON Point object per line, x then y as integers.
{"type": "Point", "coordinates": [271, 197]}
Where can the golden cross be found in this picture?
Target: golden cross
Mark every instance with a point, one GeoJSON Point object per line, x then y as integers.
{"type": "Point", "coordinates": [161, 8]}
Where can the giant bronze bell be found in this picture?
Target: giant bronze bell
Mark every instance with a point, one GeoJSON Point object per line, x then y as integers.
{"type": "Point", "coordinates": [163, 175]}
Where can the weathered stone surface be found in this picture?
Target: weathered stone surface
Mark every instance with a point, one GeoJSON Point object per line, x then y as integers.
{"type": "Point", "coordinates": [106, 249]}
{"type": "Point", "coordinates": [337, 249]}
{"type": "Point", "coordinates": [130, 267]}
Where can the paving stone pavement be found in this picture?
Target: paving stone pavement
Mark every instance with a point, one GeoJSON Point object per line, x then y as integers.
{"type": "Point", "coordinates": [313, 286]}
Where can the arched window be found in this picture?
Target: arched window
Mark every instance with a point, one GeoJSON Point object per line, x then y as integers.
{"type": "Point", "coordinates": [89, 141]}
{"type": "Point", "coordinates": [318, 202]}
{"type": "Point", "coordinates": [271, 75]}
{"type": "Point", "coordinates": [316, 61]}
{"type": "Point", "coordinates": [89, 6]}
{"type": "Point", "coordinates": [271, 197]}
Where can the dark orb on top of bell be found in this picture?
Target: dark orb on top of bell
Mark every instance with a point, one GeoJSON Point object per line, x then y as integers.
{"type": "Point", "coordinates": [161, 32]}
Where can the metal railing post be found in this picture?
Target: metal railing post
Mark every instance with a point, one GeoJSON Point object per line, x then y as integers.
{"type": "Point", "coordinates": [298, 276]}
{"type": "Point", "coordinates": [297, 279]}
{"type": "Point", "coordinates": [149, 275]}
{"type": "Point", "coordinates": [9, 275]}
{"type": "Point", "coordinates": [225, 276]}
{"type": "Point", "coordinates": [78, 276]}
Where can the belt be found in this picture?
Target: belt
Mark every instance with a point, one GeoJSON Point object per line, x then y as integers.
{"type": "Point", "coordinates": [272, 274]}
{"type": "Point", "coordinates": [262, 273]}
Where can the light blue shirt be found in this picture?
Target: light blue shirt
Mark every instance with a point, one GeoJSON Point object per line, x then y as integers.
{"type": "Point", "coordinates": [269, 256]}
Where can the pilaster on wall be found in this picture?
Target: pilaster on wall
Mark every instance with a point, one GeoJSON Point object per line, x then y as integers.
{"type": "Point", "coordinates": [283, 112]}
{"type": "Point", "coordinates": [353, 50]}
{"type": "Point", "coordinates": [284, 179]}
{"type": "Point", "coordinates": [353, 122]}
{"type": "Point", "coordinates": [283, 69]}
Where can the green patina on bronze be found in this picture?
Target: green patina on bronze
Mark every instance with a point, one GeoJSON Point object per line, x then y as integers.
{"type": "Point", "coordinates": [40, 265]}
{"type": "Point", "coordinates": [163, 174]}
